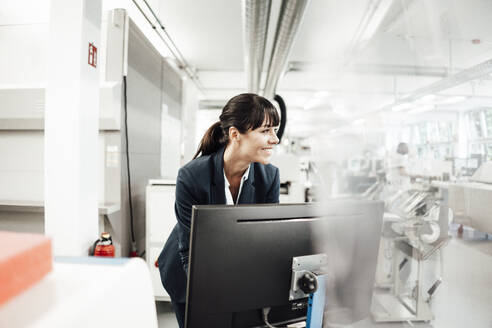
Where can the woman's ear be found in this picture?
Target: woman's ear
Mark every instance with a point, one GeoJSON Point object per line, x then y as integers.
{"type": "Point", "coordinates": [234, 134]}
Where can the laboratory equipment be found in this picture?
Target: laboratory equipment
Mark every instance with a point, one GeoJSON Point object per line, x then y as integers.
{"type": "Point", "coordinates": [160, 221]}
{"type": "Point", "coordinates": [416, 232]}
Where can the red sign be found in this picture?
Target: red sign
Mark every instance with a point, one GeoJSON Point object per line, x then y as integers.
{"type": "Point", "coordinates": [92, 55]}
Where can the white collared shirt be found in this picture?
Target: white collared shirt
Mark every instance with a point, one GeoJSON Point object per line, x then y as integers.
{"type": "Point", "coordinates": [229, 199]}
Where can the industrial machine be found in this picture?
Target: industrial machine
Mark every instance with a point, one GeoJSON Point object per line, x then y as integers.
{"type": "Point", "coordinates": [414, 233]}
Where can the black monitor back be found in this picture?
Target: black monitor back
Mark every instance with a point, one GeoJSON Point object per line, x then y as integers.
{"type": "Point", "coordinates": [241, 257]}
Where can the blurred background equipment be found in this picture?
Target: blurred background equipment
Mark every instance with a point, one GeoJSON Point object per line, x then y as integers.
{"type": "Point", "coordinates": [414, 230]}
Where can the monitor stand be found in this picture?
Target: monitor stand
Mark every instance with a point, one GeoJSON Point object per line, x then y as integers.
{"type": "Point", "coordinates": [316, 305]}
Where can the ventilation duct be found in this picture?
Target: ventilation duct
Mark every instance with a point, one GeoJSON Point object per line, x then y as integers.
{"type": "Point", "coordinates": [255, 28]}
{"type": "Point", "coordinates": [290, 17]}
{"type": "Point", "coordinates": [469, 74]}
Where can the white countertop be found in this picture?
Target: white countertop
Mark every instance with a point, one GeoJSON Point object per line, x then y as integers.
{"type": "Point", "coordinates": [86, 292]}
{"type": "Point", "coordinates": [37, 206]}
{"type": "Point", "coordinates": [469, 184]}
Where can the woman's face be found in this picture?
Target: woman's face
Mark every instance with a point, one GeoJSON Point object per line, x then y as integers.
{"type": "Point", "coordinates": [257, 145]}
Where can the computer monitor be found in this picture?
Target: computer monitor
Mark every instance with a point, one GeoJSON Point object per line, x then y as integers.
{"type": "Point", "coordinates": [241, 259]}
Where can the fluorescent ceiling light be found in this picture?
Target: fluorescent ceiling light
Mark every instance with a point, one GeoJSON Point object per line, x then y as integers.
{"type": "Point", "coordinates": [340, 112]}
{"type": "Point", "coordinates": [321, 94]}
{"type": "Point", "coordinates": [451, 100]}
{"type": "Point", "coordinates": [311, 103]}
{"type": "Point", "coordinates": [422, 109]}
{"type": "Point", "coordinates": [358, 122]}
{"type": "Point", "coordinates": [402, 106]}
{"type": "Point", "coordinates": [373, 17]}
{"type": "Point", "coordinates": [428, 99]}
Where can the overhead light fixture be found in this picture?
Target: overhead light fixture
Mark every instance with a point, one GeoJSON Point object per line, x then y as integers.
{"type": "Point", "coordinates": [377, 14]}
{"type": "Point", "coordinates": [311, 103]}
{"type": "Point", "coordinates": [317, 100]}
{"type": "Point", "coordinates": [434, 99]}
{"type": "Point", "coordinates": [358, 122]}
{"type": "Point", "coordinates": [402, 106]}
{"type": "Point", "coordinates": [369, 24]}
{"type": "Point", "coordinates": [321, 94]}
{"type": "Point", "coordinates": [340, 112]}
{"type": "Point", "coordinates": [451, 100]}
{"type": "Point", "coordinates": [428, 99]}
{"type": "Point", "coordinates": [422, 109]}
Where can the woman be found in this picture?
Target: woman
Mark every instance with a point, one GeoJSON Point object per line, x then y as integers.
{"type": "Point", "coordinates": [230, 167]}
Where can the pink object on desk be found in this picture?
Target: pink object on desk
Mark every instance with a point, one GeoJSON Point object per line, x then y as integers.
{"type": "Point", "coordinates": [24, 260]}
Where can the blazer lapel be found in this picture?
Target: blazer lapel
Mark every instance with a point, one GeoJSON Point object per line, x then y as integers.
{"type": "Point", "coordinates": [248, 192]}
{"type": "Point", "coordinates": [217, 194]}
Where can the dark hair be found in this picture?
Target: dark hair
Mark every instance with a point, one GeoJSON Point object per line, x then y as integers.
{"type": "Point", "coordinates": [245, 111]}
{"type": "Point", "coordinates": [402, 148]}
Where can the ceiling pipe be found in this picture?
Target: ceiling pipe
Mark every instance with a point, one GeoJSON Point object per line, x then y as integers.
{"type": "Point", "coordinates": [169, 43]}
{"type": "Point", "coordinates": [374, 15]}
{"type": "Point", "coordinates": [290, 17]}
{"type": "Point", "coordinates": [478, 71]}
{"type": "Point", "coordinates": [376, 69]}
{"type": "Point", "coordinates": [255, 28]}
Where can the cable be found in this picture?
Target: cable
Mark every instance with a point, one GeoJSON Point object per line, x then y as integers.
{"type": "Point", "coordinates": [185, 63]}
{"type": "Point", "coordinates": [92, 250]}
{"type": "Point", "coordinates": [125, 108]}
{"type": "Point", "coordinates": [283, 116]}
{"type": "Point", "coordinates": [265, 319]}
{"type": "Point", "coordinates": [178, 56]}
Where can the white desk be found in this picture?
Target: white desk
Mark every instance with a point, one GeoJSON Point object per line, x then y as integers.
{"type": "Point", "coordinates": [86, 292]}
{"type": "Point", "coordinates": [470, 202]}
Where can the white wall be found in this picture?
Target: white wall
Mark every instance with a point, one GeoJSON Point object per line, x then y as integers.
{"type": "Point", "coordinates": [205, 118]}
{"type": "Point", "coordinates": [189, 121]}
{"type": "Point", "coordinates": [23, 36]}
{"type": "Point", "coordinates": [153, 85]}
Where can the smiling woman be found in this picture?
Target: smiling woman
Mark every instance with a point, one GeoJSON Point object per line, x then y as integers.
{"type": "Point", "coordinates": [243, 113]}
{"type": "Point", "coordinates": [231, 166]}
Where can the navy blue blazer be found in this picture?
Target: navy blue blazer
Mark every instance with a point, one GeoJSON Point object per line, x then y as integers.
{"type": "Point", "coordinates": [201, 182]}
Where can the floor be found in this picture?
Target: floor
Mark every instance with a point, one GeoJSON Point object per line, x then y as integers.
{"type": "Point", "coordinates": [165, 315]}
{"type": "Point", "coordinates": [464, 299]}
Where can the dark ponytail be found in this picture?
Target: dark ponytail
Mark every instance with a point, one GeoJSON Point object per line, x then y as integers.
{"type": "Point", "coordinates": [212, 141]}
{"type": "Point", "coordinates": [245, 111]}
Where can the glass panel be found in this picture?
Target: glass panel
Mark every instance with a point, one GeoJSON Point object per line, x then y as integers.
{"type": "Point", "coordinates": [444, 131]}
{"type": "Point", "coordinates": [435, 152]}
{"type": "Point", "coordinates": [433, 132]}
{"type": "Point", "coordinates": [475, 125]}
{"type": "Point", "coordinates": [449, 152]}
{"type": "Point", "coordinates": [488, 122]}
{"type": "Point", "coordinates": [405, 134]}
{"type": "Point", "coordinates": [423, 133]}
{"type": "Point", "coordinates": [425, 152]}
{"type": "Point", "coordinates": [489, 152]}
{"type": "Point", "coordinates": [477, 148]}
{"type": "Point", "coordinates": [416, 135]}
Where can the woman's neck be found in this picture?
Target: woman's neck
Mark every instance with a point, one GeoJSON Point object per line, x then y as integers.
{"type": "Point", "coordinates": [234, 166]}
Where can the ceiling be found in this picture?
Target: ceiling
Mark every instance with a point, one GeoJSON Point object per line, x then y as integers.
{"type": "Point", "coordinates": [334, 76]}
{"type": "Point", "coordinates": [339, 69]}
